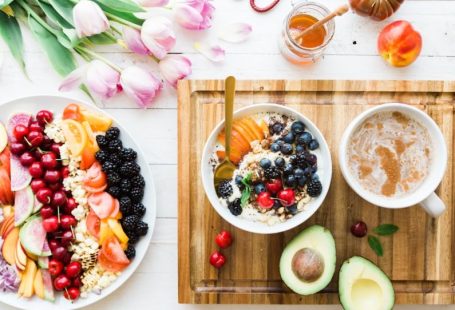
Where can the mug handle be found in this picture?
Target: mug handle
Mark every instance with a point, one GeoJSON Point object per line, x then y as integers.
{"type": "Point", "coordinates": [433, 205]}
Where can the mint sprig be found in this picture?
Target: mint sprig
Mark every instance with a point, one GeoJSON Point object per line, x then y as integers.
{"type": "Point", "coordinates": [386, 229]}
{"type": "Point", "coordinates": [375, 245]}
{"type": "Point", "coordinates": [246, 192]}
{"type": "Point", "coordinates": [381, 230]}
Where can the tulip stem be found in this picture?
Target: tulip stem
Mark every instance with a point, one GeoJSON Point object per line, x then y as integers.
{"type": "Point", "coordinates": [37, 17]}
{"type": "Point", "coordinates": [122, 21]}
{"type": "Point", "coordinates": [99, 57]}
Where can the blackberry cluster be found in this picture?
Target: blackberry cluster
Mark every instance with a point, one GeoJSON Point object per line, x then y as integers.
{"type": "Point", "coordinates": [130, 252]}
{"type": "Point", "coordinates": [235, 207]}
{"type": "Point", "coordinates": [134, 228]}
{"type": "Point", "coordinates": [314, 188]}
{"type": "Point", "coordinates": [225, 189]}
{"type": "Point", "coordinates": [272, 173]}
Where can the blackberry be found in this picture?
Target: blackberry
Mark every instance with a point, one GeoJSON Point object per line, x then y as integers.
{"type": "Point", "coordinates": [142, 228]}
{"type": "Point", "coordinates": [125, 186]}
{"type": "Point", "coordinates": [136, 194]}
{"type": "Point", "coordinates": [132, 238]}
{"type": "Point", "coordinates": [114, 191]}
{"type": "Point", "coordinates": [130, 169]}
{"type": "Point", "coordinates": [113, 178]}
{"type": "Point", "coordinates": [102, 141]}
{"type": "Point", "coordinates": [130, 251]}
{"type": "Point", "coordinates": [138, 181]}
{"type": "Point", "coordinates": [128, 154]}
{"type": "Point", "coordinates": [115, 159]}
{"type": "Point", "coordinates": [129, 223]}
{"type": "Point", "coordinates": [101, 156]}
{"type": "Point", "coordinates": [139, 210]}
{"type": "Point", "coordinates": [126, 206]}
{"type": "Point", "coordinates": [225, 189]}
{"type": "Point", "coordinates": [112, 133]}
{"type": "Point", "coordinates": [115, 146]}
{"type": "Point", "coordinates": [109, 167]}
{"type": "Point", "coordinates": [314, 188]}
{"type": "Point", "coordinates": [235, 207]}
{"type": "Point", "coordinates": [300, 160]}
{"type": "Point", "coordinates": [272, 173]}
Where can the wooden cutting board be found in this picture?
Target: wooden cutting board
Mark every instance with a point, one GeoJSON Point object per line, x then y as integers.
{"type": "Point", "coordinates": [420, 258]}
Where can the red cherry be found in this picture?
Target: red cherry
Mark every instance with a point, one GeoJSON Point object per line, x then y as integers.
{"type": "Point", "coordinates": [26, 159]}
{"type": "Point", "coordinates": [67, 258]}
{"type": "Point", "coordinates": [274, 186]}
{"type": "Point", "coordinates": [37, 184]}
{"type": "Point", "coordinates": [55, 148]}
{"type": "Point", "coordinates": [67, 221]}
{"type": "Point", "coordinates": [17, 148]}
{"type": "Point", "coordinates": [36, 170]}
{"type": "Point", "coordinates": [58, 199]}
{"type": "Point", "coordinates": [50, 224]}
{"type": "Point", "coordinates": [77, 282]}
{"type": "Point", "coordinates": [35, 138]}
{"type": "Point", "coordinates": [223, 239]}
{"type": "Point", "coordinates": [55, 187]}
{"type": "Point", "coordinates": [20, 131]}
{"type": "Point", "coordinates": [72, 293]}
{"type": "Point", "coordinates": [73, 269]}
{"type": "Point", "coordinates": [55, 267]}
{"type": "Point", "coordinates": [59, 253]}
{"type": "Point", "coordinates": [47, 142]}
{"type": "Point", "coordinates": [61, 282]}
{"type": "Point", "coordinates": [44, 195]}
{"type": "Point", "coordinates": [52, 176]}
{"type": "Point", "coordinates": [71, 204]}
{"type": "Point", "coordinates": [35, 126]}
{"type": "Point", "coordinates": [65, 172]}
{"type": "Point", "coordinates": [49, 160]}
{"type": "Point", "coordinates": [53, 244]}
{"type": "Point", "coordinates": [37, 154]}
{"type": "Point", "coordinates": [44, 117]}
{"type": "Point", "coordinates": [217, 260]}
{"type": "Point", "coordinates": [264, 200]}
{"type": "Point", "coordinates": [359, 229]}
{"type": "Point", "coordinates": [67, 237]}
{"type": "Point", "coordinates": [46, 212]}
{"type": "Point", "coordinates": [287, 197]}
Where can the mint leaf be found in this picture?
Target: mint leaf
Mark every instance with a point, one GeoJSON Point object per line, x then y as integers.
{"type": "Point", "coordinates": [375, 245]}
{"type": "Point", "coordinates": [246, 193]}
{"type": "Point", "coordinates": [386, 229]}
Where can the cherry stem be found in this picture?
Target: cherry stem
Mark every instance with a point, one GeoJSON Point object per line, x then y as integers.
{"type": "Point", "coordinates": [58, 214]}
{"type": "Point", "coordinates": [28, 142]}
{"type": "Point", "coordinates": [68, 294]}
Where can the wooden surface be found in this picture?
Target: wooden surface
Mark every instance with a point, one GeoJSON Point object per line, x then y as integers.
{"type": "Point", "coordinates": [351, 55]}
{"type": "Point", "coordinates": [419, 259]}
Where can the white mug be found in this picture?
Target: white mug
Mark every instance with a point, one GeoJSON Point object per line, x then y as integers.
{"type": "Point", "coordinates": [424, 194]}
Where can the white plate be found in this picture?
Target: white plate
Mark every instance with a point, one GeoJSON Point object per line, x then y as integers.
{"type": "Point", "coordinates": [57, 104]}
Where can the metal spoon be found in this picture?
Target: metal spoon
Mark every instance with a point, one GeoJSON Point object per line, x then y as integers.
{"type": "Point", "coordinates": [225, 170]}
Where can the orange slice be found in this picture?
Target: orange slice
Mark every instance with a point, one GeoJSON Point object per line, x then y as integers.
{"type": "Point", "coordinates": [75, 135]}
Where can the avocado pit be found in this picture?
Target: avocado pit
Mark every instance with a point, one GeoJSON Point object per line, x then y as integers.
{"type": "Point", "coordinates": [307, 265]}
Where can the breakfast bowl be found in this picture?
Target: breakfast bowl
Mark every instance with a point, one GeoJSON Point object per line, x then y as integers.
{"type": "Point", "coordinates": [283, 174]}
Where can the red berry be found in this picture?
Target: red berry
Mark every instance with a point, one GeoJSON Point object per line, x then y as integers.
{"type": "Point", "coordinates": [59, 253]}
{"type": "Point", "coordinates": [72, 293]}
{"type": "Point", "coordinates": [287, 197]}
{"type": "Point", "coordinates": [223, 239]}
{"type": "Point", "coordinates": [77, 282]}
{"type": "Point", "coordinates": [44, 117]}
{"type": "Point", "coordinates": [37, 184]}
{"type": "Point", "coordinates": [55, 148]}
{"type": "Point", "coordinates": [50, 224]}
{"type": "Point", "coordinates": [73, 269]}
{"type": "Point", "coordinates": [67, 258]}
{"type": "Point", "coordinates": [61, 282]}
{"type": "Point", "coordinates": [26, 159]}
{"type": "Point", "coordinates": [44, 195]}
{"type": "Point", "coordinates": [55, 187]}
{"type": "Point", "coordinates": [49, 160]}
{"type": "Point", "coordinates": [359, 229]}
{"type": "Point", "coordinates": [47, 142]}
{"type": "Point", "coordinates": [53, 244]}
{"type": "Point", "coordinates": [67, 237]}
{"type": "Point", "coordinates": [67, 221]}
{"type": "Point", "coordinates": [264, 200]}
{"type": "Point", "coordinates": [52, 176]}
{"type": "Point", "coordinates": [20, 131]}
{"type": "Point", "coordinates": [58, 199]}
{"type": "Point", "coordinates": [274, 186]}
{"type": "Point", "coordinates": [36, 170]}
{"type": "Point", "coordinates": [71, 204]}
{"type": "Point", "coordinates": [46, 212]}
{"type": "Point", "coordinates": [217, 260]}
{"type": "Point", "coordinates": [55, 267]}
{"type": "Point", "coordinates": [35, 126]}
{"type": "Point", "coordinates": [65, 172]}
{"type": "Point", "coordinates": [17, 148]}
{"type": "Point", "coordinates": [35, 138]}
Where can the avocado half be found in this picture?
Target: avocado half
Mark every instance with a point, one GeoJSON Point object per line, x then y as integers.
{"type": "Point", "coordinates": [307, 263]}
{"type": "Point", "coordinates": [363, 285]}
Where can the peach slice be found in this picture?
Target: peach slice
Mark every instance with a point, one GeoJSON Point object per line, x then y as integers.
{"type": "Point", "coordinates": [9, 246]}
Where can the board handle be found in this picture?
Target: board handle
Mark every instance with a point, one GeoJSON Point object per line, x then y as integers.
{"type": "Point", "coordinates": [433, 205]}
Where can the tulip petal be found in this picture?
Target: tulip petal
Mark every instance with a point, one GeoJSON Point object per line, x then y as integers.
{"type": "Point", "coordinates": [140, 85]}
{"type": "Point", "coordinates": [214, 52]}
{"type": "Point", "coordinates": [236, 32]}
{"type": "Point", "coordinates": [158, 36]}
{"type": "Point", "coordinates": [102, 79]}
{"type": "Point", "coordinates": [74, 79]}
{"type": "Point", "coordinates": [152, 3]}
{"type": "Point", "coordinates": [174, 68]}
{"type": "Point", "coordinates": [89, 19]}
{"type": "Point", "coordinates": [133, 41]}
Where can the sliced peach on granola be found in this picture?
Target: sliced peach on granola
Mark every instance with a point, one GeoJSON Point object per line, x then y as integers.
{"type": "Point", "coordinates": [245, 133]}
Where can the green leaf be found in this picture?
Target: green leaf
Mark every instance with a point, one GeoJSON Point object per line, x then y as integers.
{"type": "Point", "coordinates": [60, 57]}
{"type": "Point", "coordinates": [102, 39]}
{"type": "Point", "coordinates": [54, 16]}
{"type": "Point", "coordinates": [123, 15]}
{"type": "Point", "coordinates": [375, 245]}
{"type": "Point", "coordinates": [4, 3]}
{"type": "Point", "coordinates": [386, 229]}
{"type": "Point", "coordinates": [12, 35]}
{"type": "Point", "coordinates": [64, 8]}
{"type": "Point", "coordinates": [125, 6]}
{"type": "Point", "coordinates": [246, 193]}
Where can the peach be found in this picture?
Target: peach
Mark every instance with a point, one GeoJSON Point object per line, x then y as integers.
{"type": "Point", "coordinates": [399, 43]}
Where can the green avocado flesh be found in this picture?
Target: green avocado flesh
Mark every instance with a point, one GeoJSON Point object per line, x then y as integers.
{"type": "Point", "coordinates": [362, 285]}
{"type": "Point", "coordinates": [307, 263]}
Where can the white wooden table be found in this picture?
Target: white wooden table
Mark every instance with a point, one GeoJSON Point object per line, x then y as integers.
{"type": "Point", "coordinates": [352, 55]}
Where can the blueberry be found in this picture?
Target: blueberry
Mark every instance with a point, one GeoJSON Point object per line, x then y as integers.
{"type": "Point", "coordinates": [265, 163]}
{"type": "Point", "coordinates": [259, 188]}
{"type": "Point", "coordinates": [280, 162]}
{"type": "Point", "coordinates": [276, 204]}
{"type": "Point", "coordinates": [292, 209]}
{"type": "Point", "coordinates": [288, 169]}
{"type": "Point", "coordinates": [302, 181]}
{"type": "Point", "coordinates": [311, 159]}
{"type": "Point", "coordinates": [277, 128]}
{"type": "Point", "coordinates": [289, 138]}
{"type": "Point", "coordinates": [286, 149]}
{"type": "Point", "coordinates": [299, 172]}
{"type": "Point", "coordinates": [307, 171]}
{"type": "Point", "coordinates": [297, 127]}
{"type": "Point", "coordinates": [314, 144]}
{"type": "Point", "coordinates": [280, 142]}
{"type": "Point", "coordinates": [275, 147]}
{"type": "Point", "coordinates": [290, 181]}
{"type": "Point", "coordinates": [314, 169]}
{"type": "Point", "coordinates": [238, 179]}
{"type": "Point", "coordinates": [304, 138]}
{"type": "Point", "coordinates": [299, 149]}
{"type": "Point", "coordinates": [315, 176]}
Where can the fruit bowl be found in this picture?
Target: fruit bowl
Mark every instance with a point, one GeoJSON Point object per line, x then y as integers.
{"type": "Point", "coordinates": [57, 104]}
{"type": "Point", "coordinates": [324, 171]}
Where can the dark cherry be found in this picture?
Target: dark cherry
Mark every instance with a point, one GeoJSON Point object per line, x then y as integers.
{"type": "Point", "coordinates": [65, 172]}
{"type": "Point", "coordinates": [67, 237]}
{"type": "Point", "coordinates": [55, 267]}
{"type": "Point", "coordinates": [52, 176]}
{"type": "Point", "coordinates": [44, 117]}
{"type": "Point", "coordinates": [37, 184]}
{"type": "Point", "coordinates": [359, 229]}
{"type": "Point", "coordinates": [67, 258]}
{"type": "Point", "coordinates": [55, 148]}
{"type": "Point", "coordinates": [47, 143]}
{"type": "Point", "coordinates": [50, 224]}
{"type": "Point", "coordinates": [44, 195]}
{"type": "Point", "coordinates": [67, 221]}
{"type": "Point", "coordinates": [53, 244]}
{"type": "Point", "coordinates": [58, 199]}
{"type": "Point", "coordinates": [72, 293]}
{"type": "Point", "coordinates": [77, 282]}
{"type": "Point", "coordinates": [36, 170]}
{"type": "Point", "coordinates": [73, 269]}
{"type": "Point", "coordinates": [71, 204]}
{"type": "Point", "coordinates": [46, 212]}
{"type": "Point", "coordinates": [55, 187]}
{"type": "Point", "coordinates": [59, 253]}
{"type": "Point", "coordinates": [17, 148]}
{"type": "Point", "coordinates": [27, 159]}
{"type": "Point", "coordinates": [20, 131]}
{"type": "Point", "coordinates": [35, 126]}
{"type": "Point", "coordinates": [49, 160]}
{"type": "Point", "coordinates": [35, 138]}
{"type": "Point", "coordinates": [61, 282]}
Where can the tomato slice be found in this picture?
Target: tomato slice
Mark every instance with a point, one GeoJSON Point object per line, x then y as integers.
{"type": "Point", "coordinates": [116, 209]}
{"type": "Point", "coordinates": [102, 204]}
{"type": "Point", "coordinates": [93, 224]}
{"type": "Point", "coordinates": [75, 135]}
{"type": "Point", "coordinates": [95, 177]}
{"type": "Point", "coordinates": [111, 257]}
{"type": "Point", "coordinates": [72, 111]}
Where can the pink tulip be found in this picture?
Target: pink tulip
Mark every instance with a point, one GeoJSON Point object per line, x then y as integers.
{"type": "Point", "coordinates": [141, 85]}
{"type": "Point", "coordinates": [152, 3]}
{"type": "Point", "coordinates": [194, 14]}
{"type": "Point", "coordinates": [89, 19]}
{"type": "Point", "coordinates": [133, 41]}
{"type": "Point", "coordinates": [158, 36]}
{"type": "Point", "coordinates": [174, 68]}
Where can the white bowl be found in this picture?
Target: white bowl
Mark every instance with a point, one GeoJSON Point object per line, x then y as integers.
{"type": "Point", "coordinates": [324, 172]}
{"type": "Point", "coordinates": [56, 104]}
